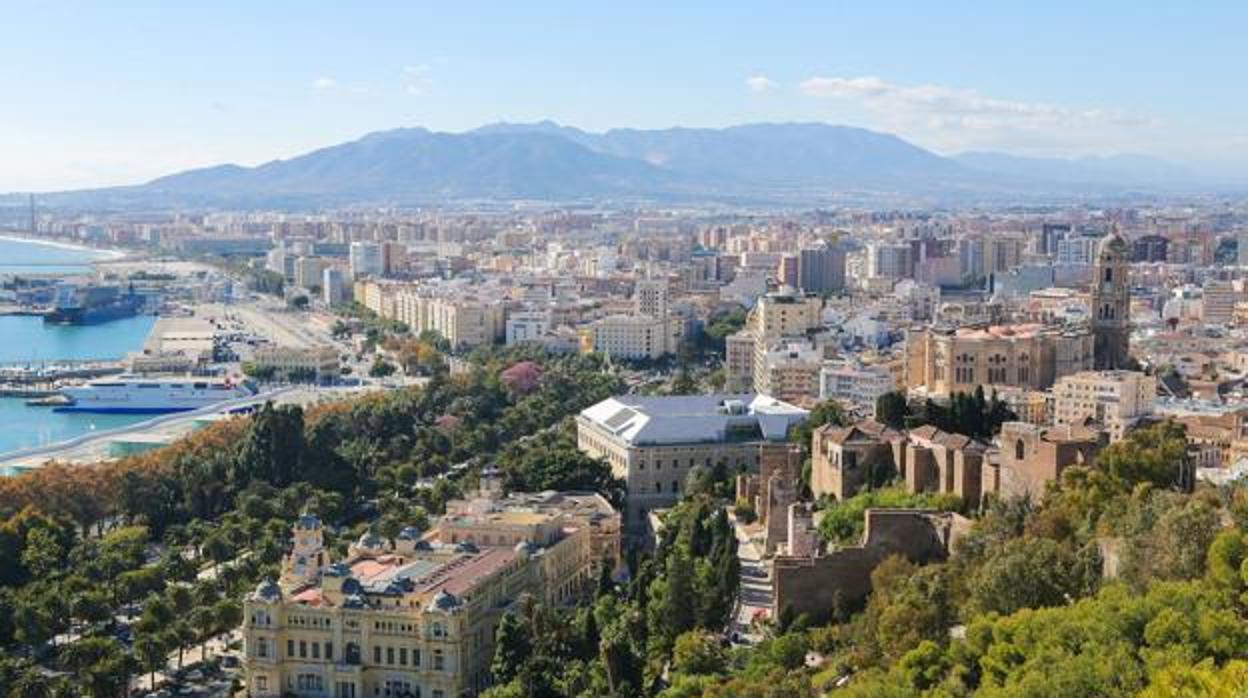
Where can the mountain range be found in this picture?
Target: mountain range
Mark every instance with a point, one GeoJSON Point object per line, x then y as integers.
{"type": "Point", "coordinates": [768, 163]}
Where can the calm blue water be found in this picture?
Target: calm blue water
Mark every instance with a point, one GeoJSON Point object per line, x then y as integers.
{"type": "Point", "coordinates": [27, 427]}
{"type": "Point", "coordinates": [21, 256]}
{"type": "Point", "coordinates": [25, 339]}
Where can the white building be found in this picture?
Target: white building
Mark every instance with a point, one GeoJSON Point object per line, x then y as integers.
{"type": "Point", "coordinates": [526, 326]}
{"type": "Point", "coordinates": [1114, 399]}
{"type": "Point", "coordinates": [309, 271]}
{"type": "Point", "coordinates": [651, 298]}
{"type": "Point", "coordinates": [632, 336]}
{"type": "Point", "coordinates": [333, 286]}
{"type": "Point", "coordinates": [366, 260]}
{"type": "Point", "coordinates": [653, 442]}
{"type": "Point", "coordinates": [852, 382]}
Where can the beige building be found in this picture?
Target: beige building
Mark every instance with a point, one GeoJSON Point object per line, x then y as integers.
{"type": "Point", "coordinates": [790, 371]}
{"type": "Point", "coordinates": [463, 318]}
{"type": "Point", "coordinates": [632, 336]}
{"type": "Point", "coordinates": [416, 616]}
{"type": "Point", "coordinates": [319, 361]}
{"type": "Point", "coordinates": [775, 317]}
{"type": "Point", "coordinates": [1115, 400]}
{"type": "Point", "coordinates": [1030, 356]}
{"type": "Point", "coordinates": [654, 442]}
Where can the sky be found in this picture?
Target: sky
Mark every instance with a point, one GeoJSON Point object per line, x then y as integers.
{"type": "Point", "coordinates": [105, 93]}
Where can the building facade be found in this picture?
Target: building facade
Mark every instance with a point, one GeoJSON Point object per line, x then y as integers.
{"type": "Point", "coordinates": [416, 616]}
{"type": "Point", "coordinates": [653, 442]}
{"type": "Point", "coordinates": [1111, 304]}
{"type": "Point", "coordinates": [1032, 356]}
{"type": "Point", "coordinates": [1115, 400]}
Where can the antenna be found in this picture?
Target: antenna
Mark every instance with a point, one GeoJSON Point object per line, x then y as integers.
{"type": "Point", "coordinates": [33, 227]}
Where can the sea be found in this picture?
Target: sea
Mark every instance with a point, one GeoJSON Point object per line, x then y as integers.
{"type": "Point", "coordinates": [27, 340]}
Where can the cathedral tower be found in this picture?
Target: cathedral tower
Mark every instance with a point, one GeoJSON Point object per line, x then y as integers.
{"type": "Point", "coordinates": [1111, 303]}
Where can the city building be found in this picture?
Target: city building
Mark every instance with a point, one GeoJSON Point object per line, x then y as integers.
{"type": "Point", "coordinates": [1114, 400]}
{"type": "Point", "coordinates": [654, 442]}
{"type": "Point", "coordinates": [309, 272]}
{"type": "Point", "coordinates": [1111, 304]}
{"type": "Point", "coordinates": [333, 286]}
{"type": "Point", "coordinates": [1218, 299]}
{"type": "Point", "coordinates": [318, 362]}
{"type": "Point", "coordinates": [417, 615]}
{"type": "Point", "coordinates": [850, 382]}
{"type": "Point", "coordinates": [790, 371]}
{"type": "Point", "coordinates": [651, 298]}
{"type": "Point", "coordinates": [631, 336]}
{"type": "Point", "coordinates": [945, 361]}
{"type": "Point", "coordinates": [821, 269]}
{"type": "Point", "coordinates": [774, 317]}
{"type": "Point", "coordinates": [366, 260]}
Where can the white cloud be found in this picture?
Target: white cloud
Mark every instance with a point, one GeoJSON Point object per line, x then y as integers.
{"type": "Point", "coordinates": [956, 118]}
{"type": "Point", "coordinates": [760, 83]}
{"type": "Point", "coordinates": [324, 83]}
{"type": "Point", "coordinates": [417, 79]}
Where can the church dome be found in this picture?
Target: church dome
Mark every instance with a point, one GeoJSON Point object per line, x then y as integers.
{"type": "Point", "coordinates": [1111, 244]}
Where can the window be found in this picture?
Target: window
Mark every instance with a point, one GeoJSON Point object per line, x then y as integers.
{"type": "Point", "coordinates": [438, 661]}
{"type": "Point", "coordinates": [329, 650]}
{"type": "Point", "coordinates": [290, 648]}
{"type": "Point", "coordinates": [1019, 450]}
{"type": "Point", "coordinates": [303, 648]}
{"type": "Point", "coordinates": [389, 655]}
{"type": "Point", "coordinates": [262, 683]}
{"type": "Point", "coordinates": [403, 656]}
{"type": "Point", "coordinates": [262, 647]}
{"type": "Point", "coordinates": [437, 630]}
{"type": "Point", "coordinates": [316, 650]}
{"type": "Point", "coordinates": [1109, 274]}
{"type": "Point", "coordinates": [377, 655]}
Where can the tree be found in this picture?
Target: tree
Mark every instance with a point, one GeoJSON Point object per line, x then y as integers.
{"type": "Point", "coordinates": [512, 649]}
{"type": "Point", "coordinates": [891, 409]}
{"type": "Point", "coordinates": [271, 447]}
{"type": "Point", "coordinates": [1025, 573]}
{"type": "Point", "coordinates": [698, 652]}
{"type": "Point", "coordinates": [824, 413]}
{"type": "Point", "coordinates": [151, 654]}
{"type": "Point", "coordinates": [204, 620]}
{"type": "Point", "coordinates": [1156, 454]}
{"type": "Point", "coordinates": [381, 368]}
{"type": "Point", "coordinates": [684, 383]}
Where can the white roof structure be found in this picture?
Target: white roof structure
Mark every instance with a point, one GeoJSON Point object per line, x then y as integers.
{"type": "Point", "coordinates": [642, 420]}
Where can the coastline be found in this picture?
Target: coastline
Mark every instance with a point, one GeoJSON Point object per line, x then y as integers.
{"type": "Point", "coordinates": [107, 254]}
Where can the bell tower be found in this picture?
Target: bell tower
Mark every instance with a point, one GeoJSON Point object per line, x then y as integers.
{"type": "Point", "coordinates": [1111, 303]}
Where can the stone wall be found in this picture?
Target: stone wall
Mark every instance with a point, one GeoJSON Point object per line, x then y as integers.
{"type": "Point", "coordinates": [815, 585]}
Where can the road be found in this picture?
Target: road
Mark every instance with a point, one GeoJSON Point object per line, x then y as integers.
{"type": "Point", "coordinates": [756, 593]}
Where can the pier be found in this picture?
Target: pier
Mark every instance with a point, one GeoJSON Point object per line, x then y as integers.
{"type": "Point", "coordinates": [43, 375]}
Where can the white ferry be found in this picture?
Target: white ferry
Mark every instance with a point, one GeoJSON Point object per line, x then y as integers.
{"type": "Point", "coordinates": [138, 395]}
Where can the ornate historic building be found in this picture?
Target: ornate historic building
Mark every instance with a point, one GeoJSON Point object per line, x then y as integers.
{"type": "Point", "coordinates": [415, 617]}
{"type": "Point", "coordinates": [1030, 356]}
{"type": "Point", "coordinates": [1111, 303]}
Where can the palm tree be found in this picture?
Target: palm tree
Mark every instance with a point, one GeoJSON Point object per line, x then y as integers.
{"type": "Point", "coordinates": [204, 620]}
{"type": "Point", "coordinates": [152, 655]}
{"type": "Point", "coordinates": [185, 635]}
{"type": "Point", "coordinates": [31, 683]}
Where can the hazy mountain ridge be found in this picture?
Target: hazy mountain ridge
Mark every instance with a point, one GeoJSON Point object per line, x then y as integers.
{"type": "Point", "coordinates": [793, 163]}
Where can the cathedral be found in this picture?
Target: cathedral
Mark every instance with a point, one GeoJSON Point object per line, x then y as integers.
{"type": "Point", "coordinates": [1111, 303]}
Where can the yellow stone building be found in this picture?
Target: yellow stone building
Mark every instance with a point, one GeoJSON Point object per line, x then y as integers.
{"type": "Point", "coordinates": [1029, 356]}
{"type": "Point", "coordinates": [416, 616]}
